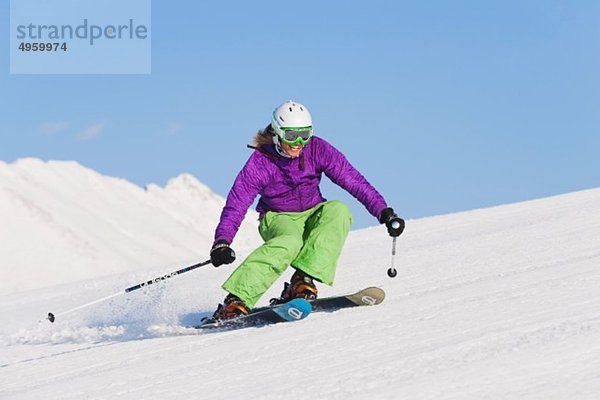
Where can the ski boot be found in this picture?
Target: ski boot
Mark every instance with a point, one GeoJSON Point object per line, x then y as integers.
{"type": "Point", "coordinates": [232, 307]}
{"type": "Point", "coordinates": [301, 286]}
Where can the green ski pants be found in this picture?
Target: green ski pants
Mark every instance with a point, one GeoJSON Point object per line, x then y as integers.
{"type": "Point", "coordinates": [310, 241]}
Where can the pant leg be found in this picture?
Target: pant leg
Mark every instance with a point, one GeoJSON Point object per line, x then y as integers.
{"type": "Point", "coordinates": [325, 233]}
{"type": "Point", "coordinates": [282, 233]}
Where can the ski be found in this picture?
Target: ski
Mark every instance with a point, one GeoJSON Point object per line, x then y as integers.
{"type": "Point", "coordinates": [370, 296]}
{"type": "Point", "coordinates": [366, 297]}
{"type": "Point", "coordinates": [294, 310]}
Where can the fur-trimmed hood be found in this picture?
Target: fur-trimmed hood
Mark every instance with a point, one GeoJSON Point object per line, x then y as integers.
{"type": "Point", "coordinates": [264, 136]}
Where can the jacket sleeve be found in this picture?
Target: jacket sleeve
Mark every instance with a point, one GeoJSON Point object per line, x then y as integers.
{"type": "Point", "coordinates": [337, 168]}
{"type": "Point", "coordinates": [246, 187]}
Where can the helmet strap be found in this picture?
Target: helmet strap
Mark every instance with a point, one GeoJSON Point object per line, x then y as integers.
{"type": "Point", "coordinates": [279, 148]}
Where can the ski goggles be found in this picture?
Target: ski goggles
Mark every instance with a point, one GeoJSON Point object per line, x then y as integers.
{"type": "Point", "coordinates": [294, 136]}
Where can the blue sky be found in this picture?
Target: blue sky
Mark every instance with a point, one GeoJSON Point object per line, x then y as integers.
{"type": "Point", "coordinates": [443, 105]}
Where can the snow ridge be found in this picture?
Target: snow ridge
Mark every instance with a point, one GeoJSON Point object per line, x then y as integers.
{"type": "Point", "coordinates": [63, 222]}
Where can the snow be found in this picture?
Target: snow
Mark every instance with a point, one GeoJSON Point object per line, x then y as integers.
{"type": "Point", "coordinates": [62, 222]}
{"type": "Point", "coordinates": [497, 303]}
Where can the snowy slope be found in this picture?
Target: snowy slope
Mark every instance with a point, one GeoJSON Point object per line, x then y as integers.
{"type": "Point", "coordinates": [61, 222]}
{"type": "Point", "coordinates": [498, 303]}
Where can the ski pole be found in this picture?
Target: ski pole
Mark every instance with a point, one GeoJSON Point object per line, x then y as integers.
{"type": "Point", "coordinates": [52, 317]}
{"type": "Point", "coordinates": [392, 271]}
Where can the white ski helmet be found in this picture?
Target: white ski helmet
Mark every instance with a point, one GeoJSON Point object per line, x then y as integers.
{"type": "Point", "coordinates": [291, 115]}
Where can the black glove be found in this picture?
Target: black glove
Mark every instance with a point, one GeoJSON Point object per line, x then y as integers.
{"type": "Point", "coordinates": [389, 218]}
{"type": "Point", "coordinates": [221, 253]}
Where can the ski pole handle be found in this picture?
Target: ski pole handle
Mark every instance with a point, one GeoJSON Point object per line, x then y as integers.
{"type": "Point", "coordinates": [395, 225]}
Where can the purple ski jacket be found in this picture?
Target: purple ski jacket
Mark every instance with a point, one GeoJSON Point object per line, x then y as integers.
{"type": "Point", "coordinates": [292, 184]}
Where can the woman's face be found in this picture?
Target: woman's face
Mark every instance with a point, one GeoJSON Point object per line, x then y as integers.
{"type": "Point", "coordinates": [292, 151]}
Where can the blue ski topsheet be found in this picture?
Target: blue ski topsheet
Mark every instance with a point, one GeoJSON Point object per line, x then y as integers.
{"type": "Point", "coordinates": [294, 310]}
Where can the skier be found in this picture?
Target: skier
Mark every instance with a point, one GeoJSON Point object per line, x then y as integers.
{"type": "Point", "coordinates": [299, 227]}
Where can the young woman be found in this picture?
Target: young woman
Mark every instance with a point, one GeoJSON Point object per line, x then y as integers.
{"type": "Point", "coordinates": [300, 228]}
